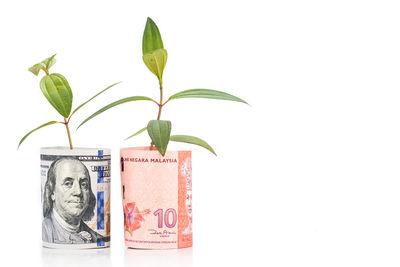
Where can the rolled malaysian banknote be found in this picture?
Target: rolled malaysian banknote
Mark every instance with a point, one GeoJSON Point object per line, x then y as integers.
{"type": "Point", "coordinates": [157, 198]}
{"type": "Point", "coordinates": [75, 197]}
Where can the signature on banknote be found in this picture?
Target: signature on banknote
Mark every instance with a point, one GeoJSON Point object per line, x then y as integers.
{"type": "Point", "coordinates": [164, 233]}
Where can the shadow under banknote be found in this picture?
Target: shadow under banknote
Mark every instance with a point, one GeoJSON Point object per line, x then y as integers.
{"type": "Point", "coordinates": [165, 258]}
{"type": "Point", "coordinates": [77, 258]}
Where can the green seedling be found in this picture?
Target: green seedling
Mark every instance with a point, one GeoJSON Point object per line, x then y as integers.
{"type": "Point", "coordinates": [155, 58]}
{"type": "Point", "coordinates": [57, 91]}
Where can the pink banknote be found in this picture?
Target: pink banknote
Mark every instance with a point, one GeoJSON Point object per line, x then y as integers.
{"type": "Point", "coordinates": [157, 198]}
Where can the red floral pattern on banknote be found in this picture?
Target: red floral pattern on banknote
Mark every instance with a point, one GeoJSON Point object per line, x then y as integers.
{"type": "Point", "coordinates": [133, 217]}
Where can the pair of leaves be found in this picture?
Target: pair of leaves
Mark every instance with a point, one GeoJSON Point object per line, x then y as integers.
{"type": "Point", "coordinates": [54, 87]}
{"type": "Point", "coordinates": [154, 54]}
{"type": "Point", "coordinates": [160, 134]}
{"type": "Point", "coordinates": [45, 65]}
{"type": "Point", "coordinates": [193, 93]}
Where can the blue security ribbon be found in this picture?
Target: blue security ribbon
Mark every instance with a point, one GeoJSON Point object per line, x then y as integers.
{"type": "Point", "coordinates": [100, 210]}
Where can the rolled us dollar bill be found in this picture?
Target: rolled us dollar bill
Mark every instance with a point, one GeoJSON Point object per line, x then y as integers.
{"type": "Point", "coordinates": [75, 197]}
{"type": "Point", "coordinates": [157, 198]}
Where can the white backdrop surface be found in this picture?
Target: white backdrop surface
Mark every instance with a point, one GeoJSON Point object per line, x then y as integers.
{"type": "Point", "coordinates": [307, 175]}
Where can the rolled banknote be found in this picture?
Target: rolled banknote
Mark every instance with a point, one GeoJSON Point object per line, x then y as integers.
{"type": "Point", "coordinates": [157, 198]}
{"type": "Point", "coordinates": [75, 197]}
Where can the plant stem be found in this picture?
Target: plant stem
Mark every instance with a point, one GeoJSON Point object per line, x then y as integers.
{"type": "Point", "coordinates": [69, 135]}
{"type": "Point", "coordinates": [160, 105]}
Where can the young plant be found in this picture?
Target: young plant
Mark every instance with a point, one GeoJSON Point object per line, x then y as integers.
{"type": "Point", "coordinates": [57, 91]}
{"type": "Point", "coordinates": [155, 58]}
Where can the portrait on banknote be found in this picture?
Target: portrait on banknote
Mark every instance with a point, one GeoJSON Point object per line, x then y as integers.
{"type": "Point", "coordinates": [70, 203]}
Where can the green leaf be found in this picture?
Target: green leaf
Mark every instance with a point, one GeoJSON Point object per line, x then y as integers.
{"type": "Point", "coordinates": [49, 62]}
{"type": "Point", "coordinates": [137, 133]}
{"type": "Point", "coordinates": [45, 65]}
{"type": "Point", "coordinates": [151, 37]}
{"type": "Point", "coordinates": [192, 140]}
{"type": "Point", "coordinates": [35, 69]}
{"type": "Point", "coordinates": [155, 62]}
{"type": "Point", "coordinates": [58, 92]}
{"type": "Point", "coordinates": [206, 93]}
{"type": "Point", "coordinates": [116, 103]}
{"type": "Point", "coordinates": [159, 132]}
{"type": "Point", "coordinates": [41, 126]}
{"type": "Point", "coordinates": [84, 103]}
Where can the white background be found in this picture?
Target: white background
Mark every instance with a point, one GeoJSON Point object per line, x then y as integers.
{"type": "Point", "coordinates": [307, 175]}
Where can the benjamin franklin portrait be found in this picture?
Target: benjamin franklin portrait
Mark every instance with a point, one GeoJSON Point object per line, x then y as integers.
{"type": "Point", "coordinates": [68, 201]}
